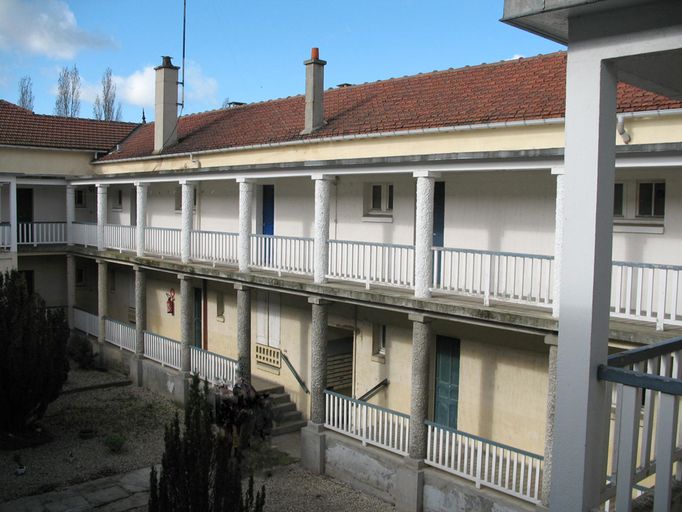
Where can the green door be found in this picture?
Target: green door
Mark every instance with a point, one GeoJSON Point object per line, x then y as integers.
{"type": "Point", "coordinates": [198, 316]}
{"type": "Point", "coordinates": [447, 381]}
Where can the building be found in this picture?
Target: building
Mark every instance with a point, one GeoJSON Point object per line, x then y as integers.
{"type": "Point", "coordinates": [389, 253]}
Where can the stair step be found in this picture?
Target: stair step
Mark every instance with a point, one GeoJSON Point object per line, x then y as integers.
{"type": "Point", "coordinates": [292, 426]}
{"type": "Point", "coordinates": [272, 390]}
{"type": "Point", "coordinates": [288, 416]}
{"type": "Point", "coordinates": [279, 398]}
{"type": "Point", "coordinates": [278, 410]}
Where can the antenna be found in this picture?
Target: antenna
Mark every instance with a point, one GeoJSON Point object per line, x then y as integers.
{"type": "Point", "coordinates": [184, 30]}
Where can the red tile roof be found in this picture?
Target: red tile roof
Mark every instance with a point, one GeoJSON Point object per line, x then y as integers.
{"type": "Point", "coordinates": [21, 127]}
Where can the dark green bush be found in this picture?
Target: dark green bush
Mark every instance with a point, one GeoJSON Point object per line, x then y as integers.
{"type": "Point", "coordinates": [80, 350]}
{"type": "Point", "coordinates": [114, 442]}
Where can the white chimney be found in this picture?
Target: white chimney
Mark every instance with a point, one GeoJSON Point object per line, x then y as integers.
{"type": "Point", "coordinates": [165, 105]}
{"type": "Point", "coordinates": [314, 92]}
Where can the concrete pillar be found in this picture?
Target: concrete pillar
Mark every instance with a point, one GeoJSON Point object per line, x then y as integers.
{"type": "Point", "coordinates": [13, 217]}
{"type": "Point", "coordinates": [70, 287]}
{"type": "Point", "coordinates": [243, 332]}
{"type": "Point", "coordinates": [70, 212]}
{"type": "Point", "coordinates": [318, 358]}
{"type": "Point", "coordinates": [585, 280]}
{"type": "Point", "coordinates": [165, 105]}
{"type": "Point", "coordinates": [558, 238]}
{"type": "Point", "coordinates": [245, 205]}
{"type": "Point", "coordinates": [187, 214]}
{"type": "Point", "coordinates": [423, 256]}
{"type": "Point", "coordinates": [314, 92]}
{"type": "Point", "coordinates": [102, 298]}
{"type": "Point", "coordinates": [185, 324]}
{"type": "Point", "coordinates": [419, 401]}
{"type": "Point", "coordinates": [136, 368]}
{"type": "Point", "coordinates": [552, 341]}
{"type": "Point", "coordinates": [101, 214]}
{"type": "Point", "coordinates": [323, 187]}
{"type": "Point", "coordinates": [140, 217]}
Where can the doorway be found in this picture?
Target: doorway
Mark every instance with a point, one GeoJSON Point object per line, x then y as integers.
{"type": "Point", "coordinates": [447, 381]}
{"type": "Point", "coordinates": [198, 316]}
{"type": "Point", "coordinates": [24, 215]}
{"type": "Point", "coordinates": [268, 211]}
{"type": "Point", "coordinates": [340, 360]}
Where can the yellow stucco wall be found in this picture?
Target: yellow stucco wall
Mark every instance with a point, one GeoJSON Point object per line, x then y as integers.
{"type": "Point", "coordinates": [45, 161]}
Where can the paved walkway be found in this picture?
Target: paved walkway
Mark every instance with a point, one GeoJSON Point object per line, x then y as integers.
{"type": "Point", "coordinates": [126, 492]}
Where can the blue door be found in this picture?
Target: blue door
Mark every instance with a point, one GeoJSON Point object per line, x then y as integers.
{"type": "Point", "coordinates": [268, 227]}
{"type": "Point", "coordinates": [438, 225]}
{"type": "Point", "coordinates": [447, 381]}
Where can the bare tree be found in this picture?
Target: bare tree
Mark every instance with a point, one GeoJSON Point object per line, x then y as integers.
{"type": "Point", "coordinates": [26, 93]}
{"type": "Point", "coordinates": [105, 107]}
{"type": "Point", "coordinates": [68, 102]}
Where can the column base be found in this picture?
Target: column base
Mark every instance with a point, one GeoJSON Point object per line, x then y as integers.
{"type": "Point", "coordinates": [409, 491]}
{"type": "Point", "coordinates": [137, 370]}
{"type": "Point", "coordinates": [313, 446]}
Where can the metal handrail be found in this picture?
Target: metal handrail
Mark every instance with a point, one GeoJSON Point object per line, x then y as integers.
{"type": "Point", "coordinates": [280, 237]}
{"type": "Point", "coordinates": [495, 253]}
{"type": "Point", "coordinates": [373, 244]}
{"type": "Point", "coordinates": [298, 378]}
{"type": "Point", "coordinates": [374, 390]}
{"type": "Point", "coordinates": [367, 404]}
{"type": "Point", "coordinates": [640, 354]}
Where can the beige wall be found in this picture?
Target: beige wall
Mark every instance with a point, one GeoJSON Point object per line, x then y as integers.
{"type": "Point", "coordinates": [49, 277]}
{"type": "Point", "coordinates": [45, 161]}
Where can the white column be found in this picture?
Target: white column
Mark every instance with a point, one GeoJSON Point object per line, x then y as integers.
{"type": "Point", "coordinates": [423, 236]}
{"type": "Point", "coordinates": [558, 238]}
{"type": "Point", "coordinates": [185, 324]}
{"type": "Point", "coordinates": [102, 298]}
{"type": "Point", "coordinates": [70, 212]}
{"type": "Point", "coordinates": [140, 217]}
{"type": "Point", "coordinates": [101, 214]}
{"type": "Point", "coordinates": [245, 206]}
{"type": "Point", "coordinates": [422, 339]}
{"type": "Point", "coordinates": [13, 216]}
{"type": "Point", "coordinates": [577, 469]}
{"type": "Point", "coordinates": [70, 287]}
{"type": "Point", "coordinates": [323, 187]}
{"type": "Point", "coordinates": [140, 309]}
{"type": "Point", "coordinates": [187, 211]}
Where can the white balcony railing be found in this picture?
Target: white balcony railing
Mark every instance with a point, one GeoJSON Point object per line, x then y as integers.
{"type": "Point", "coordinates": [215, 247]}
{"type": "Point", "coordinates": [641, 291]}
{"type": "Point", "coordinates": [372, 263]}
{"type": "Point", "coordinates": [85, 322]}
{"type": "Point", "coordinates": [84, 234]}
{"type": "Point", "coordinates": [162, 241]}
{"type": "Point", "coordinates": [41, 233]}
{"type": "Point", "coordinates": [120, 237]}
{"type": "Point", "coordinates": [510, 277]}
{"type": "Point", "coordinates": [288, 254]}
{"type": "Point", "coordinates": [486, 463]}
{"type": "Point", "coordinates": [369, 423]}
{"type": "Point", "coordinates": [213, 367]}
{"type": "Point", "coordinates": [162, 350]}
{"type": "Point", "coordinates": [120, 334]}
{"type": "Point", "coordinates": [5, 236]}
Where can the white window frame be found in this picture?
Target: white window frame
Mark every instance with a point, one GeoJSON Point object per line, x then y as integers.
{"type": "Point", "coordinates": [177, 199]}
{"type": "Point", "coordinates": [83, 195]}
{"type": "Point", "coordinates": [631, 221]}
{"type": "Point", "coordinates": [118, 200]}
{"type": "Point", "coordinates": [384, 213]}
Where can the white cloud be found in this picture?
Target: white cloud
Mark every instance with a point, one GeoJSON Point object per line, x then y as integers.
{"type": "Point", "coordinates": [200, 88]}
{"type": "Point", "coordinates": [45, 27]}
{"type": "Point", "coordinates": [516, 56]}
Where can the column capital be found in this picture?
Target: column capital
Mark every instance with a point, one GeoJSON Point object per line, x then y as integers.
{"type": "Point", "coordinates": [552, 340]}
{"type": "Point", "coordinates": [186, 182]}
{"type": "Point", "coordinates": [426, 174]}
{"type": "Point", "coordinates": [559, 171]}
{"type": "Point", "coordinates": [242, 287]}
{"type": "Point", "coordinates": [245, 180]}
{"type": "Point", "coordinates": [102, 262]}
{"type": "Point", "coordinates": [318, 301]}
{"type": "Point", "coordinates": [70, 186]}
{"type": "Point", "coordinates": [102, 186]}
{"type": "Point", "coordinates": [141, 184]}
{"type": "Point", "coordinates": [184, 277]}
{"type": "Point", "coordinates": [323, 177]}
{"type": "Point", "coordinates": [418, 317]}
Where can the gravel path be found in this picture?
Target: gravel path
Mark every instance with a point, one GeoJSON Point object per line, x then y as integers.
{"type": "Point", "coordinates": [130, 411]}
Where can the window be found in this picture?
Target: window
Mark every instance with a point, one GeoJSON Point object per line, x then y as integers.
{"type": "Point", "coordinates": [118, 200]}
{"type": "Point", "coordinates": [618, 200]}
{"type": "Point", "coordinates": [178, 198]}
{"type": "Point", "coordinates": [80, 198]}
{"type": "Point", "coordinates": [80, 276]}
{"type": "Point", "coordinates": [220, 307]}
{"type": "Point", "coordinates": [379, 200]}
{"type": "Point", "coordinates": [650, 199]}
{"type": "Point", "coordinates": [379, 342]}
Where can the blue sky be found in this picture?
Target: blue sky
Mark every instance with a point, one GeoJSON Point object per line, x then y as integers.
{"type": "Point", "coordinates": [244, 50]}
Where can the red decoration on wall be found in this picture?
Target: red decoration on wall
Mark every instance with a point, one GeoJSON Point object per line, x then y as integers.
{"type": "Point", "coordinates": [170, 302]}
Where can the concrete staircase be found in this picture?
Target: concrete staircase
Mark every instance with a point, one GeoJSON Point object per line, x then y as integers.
{"type": "Point", "coordinates": [285, 415]}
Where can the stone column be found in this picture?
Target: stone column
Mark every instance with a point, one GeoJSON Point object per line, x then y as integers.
{"type": "Point", "coordinates": [140, 217]}
{"type": "Point", "coordinates": [552, 341]}
{"type": "Point", "coordinates": [185, 324]}
{"type": "Point", "coordinates": [101, 214]}
{"type": "Point", "coordinates": [140, 322]}
{"type": "Point", "coordinates": [423, 256]}
{"type": "Point", "coordinates": [13, 219]}
{"type": "Point", "coordinates": [419, 402]}
{"type": "Point", "coordinates": [243, 332]}
{"type": "Point", "coordinates": [318, 358]}
{"type": "Point", "coordinates": [558, 238]}
{"type": "Point", "coordinates": [102, 299]}
{"type": "Point", "coordinates": [70, 212]}
{"type": "Point", "coordinates": [70, 287]}
{"type": "Point", "coordinates": [323, 187]}
{"type": "Point", "coordinates": [585, 280]}
{"type": "Point", "coordinates": [245, 205]}
{"type": "Point", "coordinates": [187, 214]}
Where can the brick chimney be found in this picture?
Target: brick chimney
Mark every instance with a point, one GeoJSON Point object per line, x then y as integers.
{"type": "Point", "coordinates": [165, 105]}
{"type": "Point", "coordinates": [314, 92]}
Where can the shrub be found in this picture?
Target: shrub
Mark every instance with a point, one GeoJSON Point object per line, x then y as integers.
{"type": "Point", "coordinates": [199, 470]}
{"type": "Point", "coordinates": [80, 350]}
{"type": "Point", "coordinates": [33, 359]}
{"type": "Point", "coordinates": [114, 442]}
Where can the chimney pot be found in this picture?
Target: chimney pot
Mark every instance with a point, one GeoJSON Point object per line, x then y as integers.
{"type": "Point", "coordinates": [315, 53]}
